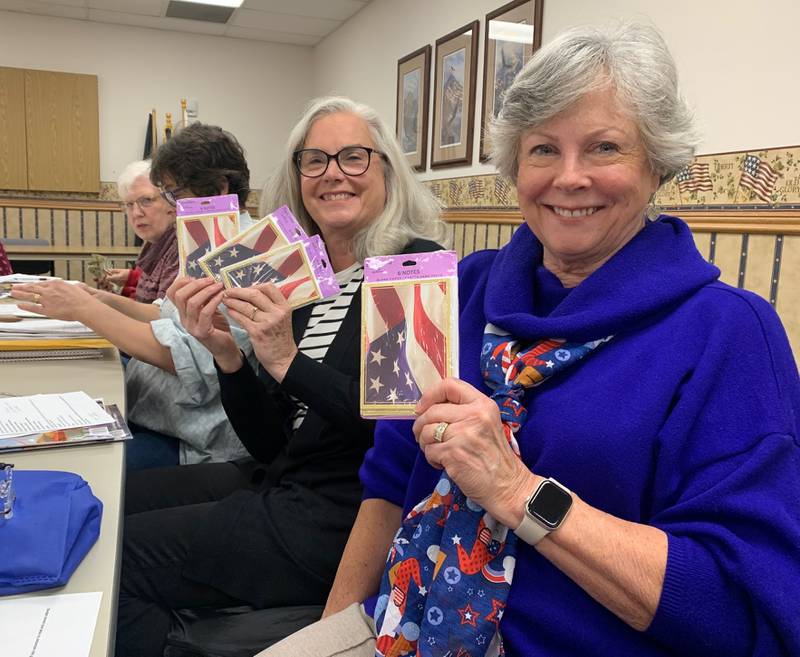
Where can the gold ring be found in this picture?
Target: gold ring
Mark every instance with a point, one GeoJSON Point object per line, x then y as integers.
{"type": "Point", "coordinates": [438, 432]}
{"type": "Point", "coordinates": [253, 314]}
{"type": "Point", "coordinates": [36, 298]}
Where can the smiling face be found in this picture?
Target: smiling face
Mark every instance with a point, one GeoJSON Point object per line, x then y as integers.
{"type": "Point", "coordinates": [584, 183]}
{"type": "Point", "coordinates": [339, 204]}
{"type": "Point", "coordinates": [151, 215]}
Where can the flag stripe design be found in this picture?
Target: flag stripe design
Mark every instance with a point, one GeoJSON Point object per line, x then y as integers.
{"type": "Point", "coordinates": [694, 178]}
{"type": "Point", "coordinates": [759, 177]}
{"type": "Point", "coordinates": [287, 271]}
{"type": "Point", "coordinates": [256, 240]}
{"type": "Point", "coordinates": [406, 348]}
{"type": "Point", "coordinates": [203, 234]}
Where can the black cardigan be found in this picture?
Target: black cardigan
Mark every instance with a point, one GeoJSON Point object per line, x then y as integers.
{"type": "Point", "coordinates": [306, 485]}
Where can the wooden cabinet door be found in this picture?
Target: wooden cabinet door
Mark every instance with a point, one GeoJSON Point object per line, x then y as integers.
{"type": "Point", "coordinates": [62, 128]}
{"type": "Point", "coordinates": [13, 153]}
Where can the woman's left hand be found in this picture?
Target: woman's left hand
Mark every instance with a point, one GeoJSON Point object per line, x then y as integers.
{"type": "Point", "coordinates": [56, 299]}
{"type": "Point", "coordinates": [473, 448]}
{"type": "Point", "coordinates": [265, 314]}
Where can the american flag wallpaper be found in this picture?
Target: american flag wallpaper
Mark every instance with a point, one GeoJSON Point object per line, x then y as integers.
{"type": "Point", "coordinates": [408, 343]}
{"type": "Point", "coordinates": [288, 268]}
{"type": "Point", "coordinates": [198, 235]}
{"type": "Point", "coordinates": [259, 238]}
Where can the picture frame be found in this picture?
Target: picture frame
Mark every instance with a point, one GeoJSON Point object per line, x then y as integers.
{"type": "Point", "coordinates": [413, 94]}
{"type": "Point", "coordinates": [513, 34]}
{"type": "Point", "coordinates": [454, 97]}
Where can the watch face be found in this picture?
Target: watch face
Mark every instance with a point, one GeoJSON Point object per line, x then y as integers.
{"type": "Point", "coordinates": [550, 504]}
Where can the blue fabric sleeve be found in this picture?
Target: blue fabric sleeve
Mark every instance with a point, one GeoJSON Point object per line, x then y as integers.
{"type": "Point", "coordinates": [387, 466]}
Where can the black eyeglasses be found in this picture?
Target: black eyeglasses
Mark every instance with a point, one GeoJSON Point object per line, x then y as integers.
{"type": "Point", "coordinates": [352, 160]}
{"type": "Point", "coordinates": [171, 196]}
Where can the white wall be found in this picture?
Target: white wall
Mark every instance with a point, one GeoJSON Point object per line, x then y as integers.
{"type": "Point", "coordinates": [253, 89]}
{"type": "Point", "coordinates": [736, 58]}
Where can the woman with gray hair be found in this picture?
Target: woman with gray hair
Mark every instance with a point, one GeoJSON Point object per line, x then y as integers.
{"type": "Point", "coordinates": [601, 481]}
{"type": "Point", "coordinates": [152, 219]}
{"type": "Point", "coordinates": [269, 531]}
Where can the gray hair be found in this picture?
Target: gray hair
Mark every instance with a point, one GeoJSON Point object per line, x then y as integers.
{"type": "Point", "coordinates": [630, 58]}
{"type": "Point", "coordinates": [411, 211]}
{"type": "Point", "coordinates": [137, 169]}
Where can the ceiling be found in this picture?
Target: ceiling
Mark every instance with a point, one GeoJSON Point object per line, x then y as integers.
{"type": "Point", "coordinates": [301, 22]}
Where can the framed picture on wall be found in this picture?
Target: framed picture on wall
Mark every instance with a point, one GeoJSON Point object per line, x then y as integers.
{"type": "Point", "coordinates": [454, 97]}
{"type": "Point", "coordinates": [513, 33]}
{"type": "Point", "coordinates": [413, 87]}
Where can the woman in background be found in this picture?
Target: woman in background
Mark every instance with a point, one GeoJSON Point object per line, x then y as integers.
{"type": "Point", "coordinates": [152, 219]}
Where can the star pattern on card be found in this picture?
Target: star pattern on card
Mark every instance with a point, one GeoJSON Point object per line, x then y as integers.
{"type": "Point", "coordinates": [469, 616]}
{"type": "Point", "coordinates": [392, 396]}
{"type": "Point", "coordinates": [218, 261]}
{"type": "Point", "coordinates": [234, 252]}
{"type": "Point", "coordinates": [375, 384]}
{"type": "Point", "coordinates": [377, 356]}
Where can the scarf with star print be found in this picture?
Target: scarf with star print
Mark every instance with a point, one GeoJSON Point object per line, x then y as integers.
{"type": "Point", "coordinates": [450, 566]}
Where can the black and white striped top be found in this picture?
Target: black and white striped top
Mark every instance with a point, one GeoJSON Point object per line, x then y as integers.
{"type": "Point", "coordinates": [325, 321]}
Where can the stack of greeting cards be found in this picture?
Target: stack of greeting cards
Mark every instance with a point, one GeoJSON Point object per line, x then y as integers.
{"type": "Point", "coordinates": [409, 330]}
{"type": "Point", "coordinates": [274, 250]}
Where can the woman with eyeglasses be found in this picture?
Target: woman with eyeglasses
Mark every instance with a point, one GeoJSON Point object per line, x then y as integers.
{"type": "Point", "coordinates": [152, 219]}
{"type": "Point", "coordinates": [172, 394]}
{"type": "Point", "coordinates": [269, 532]}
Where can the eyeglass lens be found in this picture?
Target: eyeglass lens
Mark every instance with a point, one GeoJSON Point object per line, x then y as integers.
{"type": "Point", "coordinates": [353, 160]}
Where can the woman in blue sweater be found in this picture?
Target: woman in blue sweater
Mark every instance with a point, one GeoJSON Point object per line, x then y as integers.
{"type": "Point", "coordinates": [616, 472]}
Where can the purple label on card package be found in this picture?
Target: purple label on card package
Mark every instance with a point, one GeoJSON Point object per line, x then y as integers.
{"type": "Point", "coordinates": [288, 224]}
{"type": "Point", "coordinates": [435, 264]}
{"type": "Point", "coordinates": [207, 205]}
{"type": "Point", "coordinates": [321, 266]}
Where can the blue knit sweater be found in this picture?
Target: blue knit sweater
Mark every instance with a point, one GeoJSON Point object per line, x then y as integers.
{"type": "Point", "coordinates": [687, 420]}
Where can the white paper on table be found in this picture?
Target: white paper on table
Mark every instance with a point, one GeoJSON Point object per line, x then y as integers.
{"type": "Point", "coordinates": [49, 626]}
{"type": "Point", "coordinates": [13, 310]}
{"type": "Point", "coordinates": [20, 416]}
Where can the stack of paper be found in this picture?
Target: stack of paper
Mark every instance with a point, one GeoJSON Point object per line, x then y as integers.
{"type": "Point", "coordinates": [31, 325]}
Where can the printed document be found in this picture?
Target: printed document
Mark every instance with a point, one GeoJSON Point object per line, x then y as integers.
{"type": "Point", "coordinates": [20, 416]}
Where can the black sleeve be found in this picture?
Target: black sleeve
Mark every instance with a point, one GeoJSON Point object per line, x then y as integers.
{"type": "Point", "coordinates": [330, 393]}
{"type": "Point", "coordinates": [260, 416]}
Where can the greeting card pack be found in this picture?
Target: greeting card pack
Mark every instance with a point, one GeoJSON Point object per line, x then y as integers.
{"type": "Point", "coordinates": [204, 224]}
{"type": "Point", "coordinates": [301, 271]}
{"type": "Point", "coordinates": [277, 229]}
{"type": "Point", "coordinates": [409, 330]}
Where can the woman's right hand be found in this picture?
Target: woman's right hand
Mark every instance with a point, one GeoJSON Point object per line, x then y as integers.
{"type": "Point", "coordinates": [116, 276]}
{"type": "Point", "coordinates": [197, 301]}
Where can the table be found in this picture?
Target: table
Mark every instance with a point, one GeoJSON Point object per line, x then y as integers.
{"type": "Point", "coordinates": [102, 465]}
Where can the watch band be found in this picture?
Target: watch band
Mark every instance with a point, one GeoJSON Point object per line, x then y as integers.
{"type": "Point", "coordinates": [531, 529]}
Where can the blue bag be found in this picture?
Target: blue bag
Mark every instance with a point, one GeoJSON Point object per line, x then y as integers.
{"type": "Point", "coordinates": [56, 521]}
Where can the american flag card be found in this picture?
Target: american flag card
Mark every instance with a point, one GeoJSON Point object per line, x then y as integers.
{"type": "Point", "coordinates": [203, 224]}
{"type": "Point", "coordinates": [301, 271]}
{"type": "Point", "coordinates": [409, 330]}
{"type": "Point", "coordinates": [273, 231]}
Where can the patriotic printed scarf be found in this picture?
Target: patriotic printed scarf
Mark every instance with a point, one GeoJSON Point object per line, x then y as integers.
{"type": "Point", "coordinates": [451, 564]}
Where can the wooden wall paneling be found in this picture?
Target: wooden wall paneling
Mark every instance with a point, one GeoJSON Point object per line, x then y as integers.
{"type": "Point", "coordinates": [787, 303]}
{"type": "Point", "coordinates": [13, 153]}
{"type": "Point", "coordinates": [29, 223]}
{"type": "Point", "coordinates": [118, 225]}
{"type": "Point", "coordinates": [469, 238]}
{"type": "Point", "coordinates": [62, 128]}
{"type": "Point", "coordinates": [12, 225]}
{"type": "Point", "coordinates": [703, 242]}
{"type": "Point", "coordinates": [458, 239]}
{"type": "Point", "coordinates": [480, 237]}
{"type": "Point", "coordinates": [492, 236]}
{"type": "Point", "coordinates": [758, 273]}
{"type": "Point", "coordinates": [104, 227]}
{"type": "Point", "coordinates": [727, 257]}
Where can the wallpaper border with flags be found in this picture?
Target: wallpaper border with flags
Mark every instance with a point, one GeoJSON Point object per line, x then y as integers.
{"type": "Point", "coordinates": [752, 180]}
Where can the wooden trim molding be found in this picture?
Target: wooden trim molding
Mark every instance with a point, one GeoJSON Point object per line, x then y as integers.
{"type": "Point", "coordinates": [769, 222]}
{"type": "Point", "coordinates": [59, 204]}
